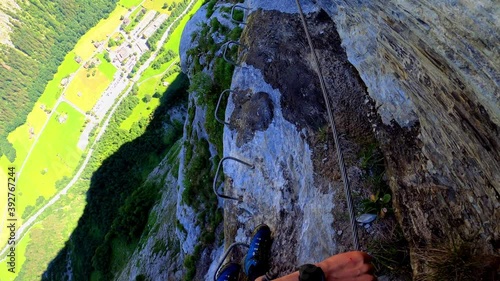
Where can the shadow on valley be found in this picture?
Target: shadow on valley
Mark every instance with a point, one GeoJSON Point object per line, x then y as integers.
{"type": "Point", "coordinates": [119, 200]}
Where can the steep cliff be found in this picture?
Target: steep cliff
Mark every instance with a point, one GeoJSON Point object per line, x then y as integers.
{"type": "Point", "coordinates": [277, 121]}
{"type": "Point", "coordinates": [414, 90]}
{"type": "Point", "coordinates": [432, 68]}
{"type": "Point", "coordinates": [432, 71]}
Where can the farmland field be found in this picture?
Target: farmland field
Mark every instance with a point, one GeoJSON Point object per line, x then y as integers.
{"type": "Point", "coordinates": [88, 84]}
{"type": "Point", "coordinates": [55, 156]}
{"type": "Point", "coordinates": [84, 48]}
{"type": "Point", "coordinates": [129, 3]}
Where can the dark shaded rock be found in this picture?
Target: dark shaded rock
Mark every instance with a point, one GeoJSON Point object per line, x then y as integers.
{"type": "Point", "coordinates": [279, 52]}
{"type": "Point", "coordinates": [432, 67]}
{"type": "Point", "coordinates": [254, 112]}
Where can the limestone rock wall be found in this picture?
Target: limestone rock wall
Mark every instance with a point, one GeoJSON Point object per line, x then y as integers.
{"type": "Point", "coordinates": [159, 258]}
{"type": "Point", "coordinates": [277, 122]}
{"type": "Point", "coordinates": [432, 67]}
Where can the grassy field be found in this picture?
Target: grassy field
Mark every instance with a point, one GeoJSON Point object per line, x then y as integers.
{"type": "Point", "coordinates": [157, 5]}
{"type": "Point", "coordinates": [150, 72]}
{"type": "Point", "coordinates": [54, 157]}
{"type": "Point", "coordinates": [53, 89]}
{"type": "Point", "coordinates": [84, 48]}
{"type": "Point", "coordinates": [175, 38]}
{"type": "Point", "coordinates": [86, 89]}
{"type": "Point", "coordinates": [144, 109]}
{"type": "Point", "coordinates": [23, 136]}
{"type": "Point", "coordinates": [107, 68]}
{"type": "Point", "coordinates": [20, 259]}
{"type": "Point", "coordinates": [129, 3]}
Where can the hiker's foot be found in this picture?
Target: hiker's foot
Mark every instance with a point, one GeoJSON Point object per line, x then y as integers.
{"type": "Point", "coordinates": [257, 259]}
{"type": "Point", "coordinates": [229, 272]}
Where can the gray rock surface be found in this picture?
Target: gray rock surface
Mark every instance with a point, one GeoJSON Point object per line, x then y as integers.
{"type": "Point", "coordinates": [280, 189]}
{"type": "Point", "coordinates": [287, 6]}
{"type": "Point", "coordinates": [402, 48]}
{"type": "Point", "coordinates": [191, 28]}
{"type": "Point", "coordinates": [433, 66]}
{"type": "Point", "coordinates": [294, 187]}
{"type": "Point", "coordinates": [6, 20]}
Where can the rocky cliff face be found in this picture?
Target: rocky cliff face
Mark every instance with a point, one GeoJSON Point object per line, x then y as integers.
{"type": "Point", "coordinates": [5, 20]}
{"type": "Point", "coordinates": [160, 257]}
{"type": "Point", "coordinates": [420, 79]}
{"type": "Point", "coordinates": [432, 68]}
{"type": "Point", "coordinates": [278, 123]}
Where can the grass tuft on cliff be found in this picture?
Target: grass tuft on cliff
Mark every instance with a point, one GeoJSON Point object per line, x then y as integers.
{"type": "Point", "coordinates": [458, 261]}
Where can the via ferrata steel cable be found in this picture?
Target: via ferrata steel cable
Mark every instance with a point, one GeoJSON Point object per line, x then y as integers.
{"type": "Point", "coordinates": [340, 157]}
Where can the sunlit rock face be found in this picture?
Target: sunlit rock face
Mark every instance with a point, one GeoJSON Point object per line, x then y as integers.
{"type": "Point", "coordinates": [277, 122]}
{"type": "Point", "coordinates": [187, 43]}
{"type": "Point", "coordinates": [431, 70]}
{"type": "Point", "coordinates": [432, 67]}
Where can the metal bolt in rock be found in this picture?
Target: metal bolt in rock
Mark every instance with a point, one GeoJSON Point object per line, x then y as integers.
{"type": "Point", "coordinates": [220, 195]}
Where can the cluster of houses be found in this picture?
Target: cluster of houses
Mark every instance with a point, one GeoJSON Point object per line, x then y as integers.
{"type": "Point", "coordinates": [135, 43]}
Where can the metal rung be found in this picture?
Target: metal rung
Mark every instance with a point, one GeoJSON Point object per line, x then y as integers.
{"type": "Point", "coordinates": [239, 199]}
{"type": "Point", "coordinates": [217, 108]}
{"type": "Point", "coordinates": [225, 47]}
{"type": "Point", "coordinates": [227, 253]}
{"type": "Point", "coordinates": [232, 13]}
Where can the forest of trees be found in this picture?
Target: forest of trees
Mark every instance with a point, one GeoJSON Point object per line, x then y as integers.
{"type": "Point", "coordinates": [43, 32]}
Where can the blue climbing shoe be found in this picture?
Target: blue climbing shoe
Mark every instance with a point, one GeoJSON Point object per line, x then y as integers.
{"type": "Point", "coordinates": [257, 259]}
{"type": "Point", "coordinates": [230, 272]}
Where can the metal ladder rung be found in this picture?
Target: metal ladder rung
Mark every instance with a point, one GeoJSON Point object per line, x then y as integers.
{"type": "Point", "coordinates": [224, 51]}
{"type": "Point", "coordinates": [217, 108]}
{"type": "Point", "coordinates": [226, 254]}
{"type": "Point", "coordinates": [220, 195]}
{"type": "Point", "coordinates": [232, 13]}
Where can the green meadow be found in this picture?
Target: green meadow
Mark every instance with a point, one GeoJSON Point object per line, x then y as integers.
{"type": "Point", "coordinates": [55, 156]}
{"type": "Point", "coordinates": [88, 84]}
{"type": "Point", "coordinates": [53, 89]}
{"type": "Point", "coordinates": [146, 105]}
{"type": "Point", "coordinates": [158, 5]}
{"type": "Point", "coordinates": [23, 136]}
{"type": "Point", "coordinates": [129, 3]}
{"type": "Point", "coordinates": [107, 68]}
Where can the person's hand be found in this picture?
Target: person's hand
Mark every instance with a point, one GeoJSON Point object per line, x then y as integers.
{"type": "Point", "coordinates": [350, 266]}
